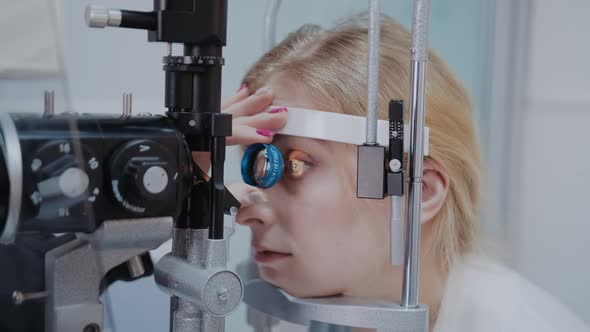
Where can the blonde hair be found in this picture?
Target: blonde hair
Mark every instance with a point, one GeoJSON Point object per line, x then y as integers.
{"type": "Point", "coordinates": [332, 66]}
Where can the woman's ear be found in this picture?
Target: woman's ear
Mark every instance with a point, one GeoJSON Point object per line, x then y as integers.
{"type": "Point", "coordinates": [435, 185]}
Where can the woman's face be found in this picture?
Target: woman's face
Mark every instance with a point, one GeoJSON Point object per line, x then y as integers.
{"type": "Point", "coordinates": [310, 234]}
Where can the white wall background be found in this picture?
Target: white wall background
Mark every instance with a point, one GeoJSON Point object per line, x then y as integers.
{"type": "Point", "coordinates": [551, 224]}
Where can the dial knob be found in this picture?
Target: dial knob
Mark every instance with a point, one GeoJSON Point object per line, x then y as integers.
{"type": "Point", "coordinates": [143, 174]}
{"type": "Point", "coordinates": [63, 177]}
{"type": "Point", "coordinates": [147, 176]}
{"type": "Point", "coordinates": [63, 180]}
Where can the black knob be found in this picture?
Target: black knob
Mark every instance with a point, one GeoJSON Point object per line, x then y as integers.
{"type": "Point", "coordinates": [143, 176]}
{"type": "Point", "coordinates": [147, 176]}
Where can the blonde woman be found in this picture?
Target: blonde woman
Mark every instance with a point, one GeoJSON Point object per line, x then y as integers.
{"type": "Point", "coordinates": [313, 237]}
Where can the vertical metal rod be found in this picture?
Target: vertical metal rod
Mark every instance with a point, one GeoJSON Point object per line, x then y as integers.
{"type": "Point", "coordinates": [270, 24]}
{"type": "Point", "coordinates": [416, 154]}
{"type": "Point", "coordinates": [49, 101]}
{"type": "Point", "coordinates": [127, 106]}
{"type": "Point", "coordinates": [396, 238]}
{"type": "Point", "coordinates": [373, 72]}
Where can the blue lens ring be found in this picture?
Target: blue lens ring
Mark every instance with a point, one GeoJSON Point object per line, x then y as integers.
{"type": "Point", "coordinates": [275, 169]}
{"type": "Point", "coordinates": [247, 162]}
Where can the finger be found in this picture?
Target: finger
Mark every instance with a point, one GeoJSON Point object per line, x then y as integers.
{"type": "Point", "coordinates": [240, 95]}
{"type": "Point", "coordinates": [266, 120]}
{"type": "Point", "coordinates": [254, 104]}
{"type": "Point", "coordinates": [246, 194]}
{"type": "Point", "coordinates": [245, 135]}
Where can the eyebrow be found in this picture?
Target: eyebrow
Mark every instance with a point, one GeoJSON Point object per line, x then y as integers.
{"type": "Point", "coordinates": [301, 142]}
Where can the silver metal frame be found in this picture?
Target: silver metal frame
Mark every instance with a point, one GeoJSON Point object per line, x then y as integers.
{"type": "Point", "coordinates": [419, 53]}
{"type": "Point", "coordinates": [373, 72]}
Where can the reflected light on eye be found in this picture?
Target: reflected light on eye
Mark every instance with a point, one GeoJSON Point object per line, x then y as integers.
{"type": "Point", "coordinates": [295, 167]}
{"type": "Point", "coordinates": [297, 163]}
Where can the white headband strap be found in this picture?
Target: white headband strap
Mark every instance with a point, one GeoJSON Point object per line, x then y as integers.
{"type": "Point", "coordinates": [338, 127]}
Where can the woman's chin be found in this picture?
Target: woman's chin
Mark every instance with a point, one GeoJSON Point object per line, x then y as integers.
{"type": "Point", "coordinates": [274, 276]}
{"type": "Point", "coordinates": [294, 285]}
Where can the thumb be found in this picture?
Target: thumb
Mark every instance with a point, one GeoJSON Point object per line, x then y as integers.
{"type": "Point", "coordinates": [246, 194]}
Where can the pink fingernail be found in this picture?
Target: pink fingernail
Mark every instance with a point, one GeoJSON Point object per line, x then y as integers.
{"type": "Point", "coordinates": [278, 110]}
{"type": "Point", "coordinates": [264, 132]}
{"type": "Point", "coordinates": [242, 87]}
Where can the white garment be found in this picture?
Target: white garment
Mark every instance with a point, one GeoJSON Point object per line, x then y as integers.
{"type": "Point", "coordinates": [484, 296]}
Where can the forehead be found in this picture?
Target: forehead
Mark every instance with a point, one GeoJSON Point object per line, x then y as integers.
{"type": "Point", "coordinates": [290, 94]}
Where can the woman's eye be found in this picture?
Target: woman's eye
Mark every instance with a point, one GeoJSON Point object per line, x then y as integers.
{"type": "Point", "coordinates": [297, 163]}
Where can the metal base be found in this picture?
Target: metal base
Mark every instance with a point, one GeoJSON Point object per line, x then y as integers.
{"type": "Point", "coordinates": [73, 271]}
{"type": "Point", "coordinates": [203, 291]}
{"type": "Point", "coordinates": [267, 304]}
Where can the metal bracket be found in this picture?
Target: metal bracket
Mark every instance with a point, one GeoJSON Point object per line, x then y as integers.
{"type": "Point", "coordinates": [203, 291]}
{"type": "Point", "coordinates": [73, 271]}
{"type": "Point", "coordinates": [341, 310]}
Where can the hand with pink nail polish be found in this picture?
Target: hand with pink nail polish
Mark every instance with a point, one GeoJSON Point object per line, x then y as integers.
{"type": "Point", "coordinates": [251, 123]}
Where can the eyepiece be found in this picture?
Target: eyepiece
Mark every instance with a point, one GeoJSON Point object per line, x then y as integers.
{"type": "Point", "coordinates": [262, 165]}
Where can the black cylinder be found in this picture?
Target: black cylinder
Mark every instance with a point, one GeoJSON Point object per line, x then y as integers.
{"type": "Point", "coordinates": [179, 88]}
{"type": "Point", "coordinates": [138, 20]}
{"type": "Point", "coordinates": [206, 84]}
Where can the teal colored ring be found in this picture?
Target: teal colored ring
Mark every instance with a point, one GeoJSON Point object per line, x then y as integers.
{"type": "Point", "coordinates": [275, 159]}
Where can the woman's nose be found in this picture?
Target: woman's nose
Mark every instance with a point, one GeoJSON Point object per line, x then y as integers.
{"type": "Point", "coordinates": [251, 212]}
{"type": "Point", "coordinates": [247, 195]}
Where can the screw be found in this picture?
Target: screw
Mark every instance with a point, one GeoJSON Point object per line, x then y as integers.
{"type": "Point", "coordinates": [223, 294]}
{"type": "Point", "coordinates": [233, 210]}
{"type": "Point", "coordinates": [192, 123]}
{"type": "Point", "coordinates": [395, 165]}
{"type": "Point", "coordinates": [92, 327]}
{"type": "Point", "coordinates": [19, 298]}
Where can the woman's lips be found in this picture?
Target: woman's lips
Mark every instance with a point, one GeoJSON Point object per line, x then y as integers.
{"type": "Point", "coordinates": [267, 256]}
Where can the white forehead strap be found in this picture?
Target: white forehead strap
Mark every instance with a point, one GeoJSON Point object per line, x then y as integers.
{"type": "Point", "coordinates": [338, 127]}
